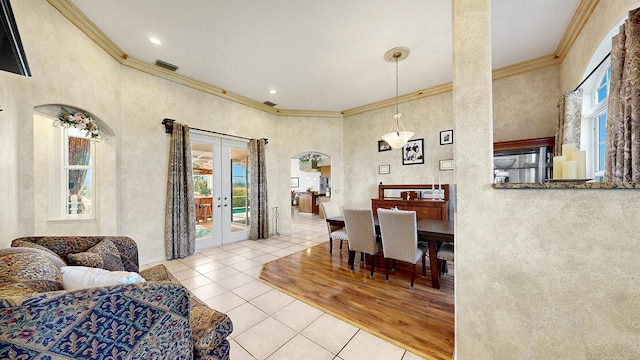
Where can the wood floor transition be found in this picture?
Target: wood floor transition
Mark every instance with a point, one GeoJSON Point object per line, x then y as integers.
{"type": "Point", "coordinates": [421, 321]}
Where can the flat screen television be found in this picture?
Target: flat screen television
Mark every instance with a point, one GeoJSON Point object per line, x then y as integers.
{"type": "Point", "coordinates": [12, 55]}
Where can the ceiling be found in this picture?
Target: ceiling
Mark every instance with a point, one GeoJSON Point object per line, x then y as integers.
{"type": "Point", "coordinates": [319, 55]}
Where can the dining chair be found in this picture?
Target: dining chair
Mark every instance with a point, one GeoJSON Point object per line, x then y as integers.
{"type": "Point", "coordinates": [362, 235]}
{"type": "Point", "coordinates": [400, 240]}
{"type": "Point", "coordinates": [332, 209]}
{"type": "Point", "coordinates": [445, 253]}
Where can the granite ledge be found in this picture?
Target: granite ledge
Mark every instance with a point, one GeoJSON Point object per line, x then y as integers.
{"type": "Point", "coordinates": [569, 185]}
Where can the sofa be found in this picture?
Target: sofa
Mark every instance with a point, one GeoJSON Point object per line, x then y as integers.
{"type": "Point", "coordinates": [146, 314]}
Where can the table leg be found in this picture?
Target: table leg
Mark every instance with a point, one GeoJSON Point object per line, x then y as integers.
{"type": "Point", "coordinates": [433, 263]}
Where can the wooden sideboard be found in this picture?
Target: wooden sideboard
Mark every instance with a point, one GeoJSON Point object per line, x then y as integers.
{"type": "Point", "coordinates": [425, 208]}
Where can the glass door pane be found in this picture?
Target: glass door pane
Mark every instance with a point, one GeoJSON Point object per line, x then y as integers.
{"type": "Point", "coordinates": [204, 184]}
{"type": "Point", "coordinates": [238, 191]}
{"type": "Point", "coordinates": [221, 186]}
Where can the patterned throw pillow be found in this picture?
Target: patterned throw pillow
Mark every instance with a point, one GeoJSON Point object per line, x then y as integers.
{"type": "Point", "coordinates": [25, 270]}
{"type": "Point", "coordinates": [55, 258]}
{"type": "Point", "coordinates": [103, 255]}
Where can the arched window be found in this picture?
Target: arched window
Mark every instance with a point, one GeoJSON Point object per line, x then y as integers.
{"type": "Point", "coordinates": [64, 169]}
{"type": "Point", "coordinates": [595, 101]}
{"type": "Point", "coordinates": [595, 120]}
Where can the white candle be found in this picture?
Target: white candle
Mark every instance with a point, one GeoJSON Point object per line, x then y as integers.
{"type": "Point", "coordinates": [581, 164]}
{"type": "Point", "coordinates": [439, 186]}
{"type": "Point", "coordinates": [557, 166]}
{"type": "Point", "coordinates": [433, 183]}
{"type": "Point", "coordinates": [567, 151]}
{"type": "Point", "coordinates": [569, 170]}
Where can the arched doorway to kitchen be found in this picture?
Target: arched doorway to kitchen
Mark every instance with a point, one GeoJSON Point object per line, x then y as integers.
{"type": "Point", "coordinates": [310, 182]}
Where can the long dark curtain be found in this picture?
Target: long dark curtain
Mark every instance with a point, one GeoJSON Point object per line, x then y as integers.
{"type": "Point", "coordinates": [622, 154]}
{"type": "Point", "coordinates": [180, 216]}
{"type": "Point", "coordinates": [259, 228]}
{"type": "Point", "coordinates": [79, 154]}
{"type": "Point", "coordinates": [569, 119]}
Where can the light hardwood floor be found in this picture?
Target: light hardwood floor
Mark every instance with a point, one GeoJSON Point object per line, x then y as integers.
{"type": "Point", "coordinates": [421, 321]}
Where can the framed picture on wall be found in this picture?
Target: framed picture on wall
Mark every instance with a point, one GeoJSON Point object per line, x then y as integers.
{"type": "Point", "coordinates": [446, 137]}
{"type": "Point", "coordinates": [383, 146]}
{"type": "Point", "coordinates": [295, 182]}
{"type": "Point", "coordinates": [446, 165]}
{"type": "Point", "coordinates": [412, 152]}
{"type": "Point", "coordinates": [384, 169]}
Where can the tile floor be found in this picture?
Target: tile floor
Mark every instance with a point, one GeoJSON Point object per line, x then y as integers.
{"type": "Point", "coordinates": [268, 324]}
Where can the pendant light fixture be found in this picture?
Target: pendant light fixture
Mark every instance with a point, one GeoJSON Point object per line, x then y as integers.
{"type": "Point", "coordinates": [398, 138]}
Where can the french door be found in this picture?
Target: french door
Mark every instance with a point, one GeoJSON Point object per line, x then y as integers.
{"type": "Point", "coordinates": [221, 183]}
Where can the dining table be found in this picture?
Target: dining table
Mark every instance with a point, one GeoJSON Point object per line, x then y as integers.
{"type": "Point", "coordinates": [430, 231]}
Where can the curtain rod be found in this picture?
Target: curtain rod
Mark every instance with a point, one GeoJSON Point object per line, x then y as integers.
{"type": "Point", "coordinates": [168, 128]}
{"type": "Point", "coordinates": [592, 71]}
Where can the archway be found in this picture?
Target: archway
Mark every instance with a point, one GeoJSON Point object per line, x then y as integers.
{"type": "Point", "coordinates": [310, 182]}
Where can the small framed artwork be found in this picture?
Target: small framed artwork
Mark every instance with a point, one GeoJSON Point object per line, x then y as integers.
{"type": "Point", "coordinates": [383, 146]}
{"type": "Point", "coordinates": [384, 169]}
{"type": "Point", "coordinates": [295, 182]}
{"type": "Point", "coordinates": [446, 165]}
{"type": "Point", "coordinates": [446, 137]}
{"type": "Point", "coordinates": [412, 152]}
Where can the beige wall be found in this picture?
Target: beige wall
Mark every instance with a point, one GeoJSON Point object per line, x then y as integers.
{"type": "Point", "coordinates": [425, 117]}
{"type": "Point", "coordinates": [548, 274]}
{"type": "Point", "coordinates": [525, 105]}
{"type": "Point", "coordinates": [132, 164]}
{"type": "Point", "coordinates": [540, 274]}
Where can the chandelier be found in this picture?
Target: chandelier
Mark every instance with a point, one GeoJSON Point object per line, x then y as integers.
{"type": "Point", "coordinates": [396, 139]}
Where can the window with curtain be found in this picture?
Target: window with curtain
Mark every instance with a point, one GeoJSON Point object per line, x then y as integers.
{"type": "Point", "coordinates": [595, 119]}
{"type": "Point", "coordinates": [75, 186]}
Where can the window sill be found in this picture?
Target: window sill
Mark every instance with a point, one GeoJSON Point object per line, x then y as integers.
{"type": "Point", "coordinates": [71, 220]}
{"type": "Point", "coordinates": [570, 185]}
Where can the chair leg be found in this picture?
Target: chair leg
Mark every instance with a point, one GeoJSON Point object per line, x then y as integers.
{"type": "Point", "coordinates": [413, 276]}
{"type": "Point", "coordinates": [341, 244]}
{"type": "Point", "coordinates": [352, 255]}
{"type": "Point", "coordinates": [424, 266]}
{"type": "Point", "coordinates": [361, 258]}
{"type": "Point", "coordinates": [386, 279]}
{"type": "Point", "coordinates": [373, 264]}
{"type": "Point", "coordinates": [330, 245]}
{"type": "Point", "coordinates": [393, 268]}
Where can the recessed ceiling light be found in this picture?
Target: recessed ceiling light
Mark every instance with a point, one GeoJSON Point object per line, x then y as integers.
{"type": "Point", "coordinates": [155, 40]}
{"type": "Point", "coordinates": [272, 91]}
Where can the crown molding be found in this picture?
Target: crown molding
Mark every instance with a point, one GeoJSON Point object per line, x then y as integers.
{"type": "Point", "coordinates": [309, 113]}
{"type": "Point", "coordinates": [525, 66]}
{"type": "Point", "coordinates": [577, 23]}
{"type": "Point", "coordinates": [76, 17]}
{"type": "Point", "coordinates": [155, 70]}
{"type": "Point", "coordinates": [507, 71]}
{"type": "Point", "coordinates": [420, 94]}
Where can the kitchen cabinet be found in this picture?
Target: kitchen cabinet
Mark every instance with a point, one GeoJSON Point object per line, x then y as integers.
{"type": "Point", "coordinates": [523, 161]}
{"type": "Point", "coordinates": [325, 171]}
